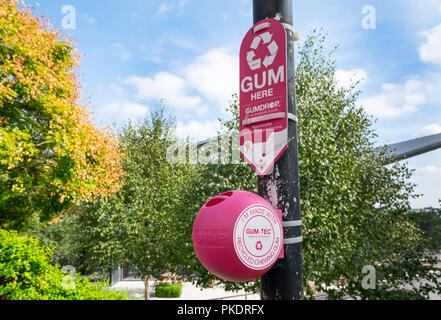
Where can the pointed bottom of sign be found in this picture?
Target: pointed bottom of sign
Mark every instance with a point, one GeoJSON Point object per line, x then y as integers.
{"type": "Point", "coordinates": [263, 173]}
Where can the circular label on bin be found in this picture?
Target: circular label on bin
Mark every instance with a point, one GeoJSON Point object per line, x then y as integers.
{"type": "Point", "coordinates": [257, 237]}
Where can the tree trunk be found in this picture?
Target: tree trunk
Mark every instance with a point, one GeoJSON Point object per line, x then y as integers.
{"type": "Point", "coordinates": [147, 289]}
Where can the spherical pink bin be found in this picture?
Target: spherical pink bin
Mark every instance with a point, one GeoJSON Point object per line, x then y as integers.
{"type": "Point", "coordinates": [238, 236]}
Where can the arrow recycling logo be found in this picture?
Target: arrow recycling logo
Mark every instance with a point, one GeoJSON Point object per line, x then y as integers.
{"type": "Point", "coordinates": [259, 245]}
{"type": "Point", "coordinates": [264, 39]}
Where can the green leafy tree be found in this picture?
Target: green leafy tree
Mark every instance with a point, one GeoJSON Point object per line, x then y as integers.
{"type": "Point", "coordinates": [28, 273]}
{"type": "Point", "coordinates": [214, 176]}
{"type": "Point", "coordinates": [354, 205]}
{"type": "Point", "coordinates": [51, 154]}
{"type": "Point", "coordinates": [66, 238]}
{"type": "Point", "coordinates": [429, 221]}
{"type": "Point", "coordinates": [354, 202]}
{"type": "Point", "coordinates": [141, 224]}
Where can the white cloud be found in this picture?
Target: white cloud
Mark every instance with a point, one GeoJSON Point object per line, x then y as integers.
{"type": "Point", "coordinates": [429, 130]}
{"type": "Point", "coordinates": [424, 9]}
{"type": "Point", "coordinates": [181, 6]}
{"type": "Point", "coordinates": [163, 85]}
{"type": "Point", "coordinates": [396, 100]}
{"type": "Point", "coordinates": [125, 109]}
{"type": "Point", "coordinates": [431, 3]}
{"type": "Point", "coordinates": [427, 180]}
{"type": "Point", "coordinates": [211, 79]}
{"type": "Point", "coordinates": [346, 79]}
{"type": "Point", "coordinates": [430, 51]}
{"type": "Point", "coordinates": [202, 111]}
{"type": "Point", "coordinates": [178, 7]}
{"type": "Point", "coordinates": [117, 89]}
{"type": "Point", "coordinates": [163, 7]}
{"type": "Point", "coordinates": [88, 18]}
{"type": "Point", "coordinates": [122, 51]}
{"type": "Point", "coordinates": [215, 75]}
{"type": "Point", "coordinates": [156, 47]}
{"type": "Point", "coordinates": [198, 130]}
{"type": "Point", "coordinates": [436, 3]}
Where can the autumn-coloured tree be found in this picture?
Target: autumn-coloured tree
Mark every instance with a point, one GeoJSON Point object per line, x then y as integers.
{"type": "Point", "coordinates": [51, 154]}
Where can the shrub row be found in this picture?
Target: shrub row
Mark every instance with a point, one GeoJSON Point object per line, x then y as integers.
{"type": "Point", "coordinates": [27, 273]}
{"type": "Point", "coordinates": [169, 290]}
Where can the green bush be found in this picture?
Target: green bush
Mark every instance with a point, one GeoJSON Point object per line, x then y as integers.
{"type": "Point", "coordinates": [27, 273]}
{"type": "Point", "coordinates": [169, 290]}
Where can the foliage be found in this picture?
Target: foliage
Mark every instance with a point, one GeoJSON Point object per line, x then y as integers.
{"type": "Point", "coordinates": [26, 273]}
{"type": "Point", "coordinates": [430, 223]}
{"type": "Point", "coordinates": [51, 154]}
{"type": "Point", "coordinates": [354, 205]}
{"type": "Point", "coordinates": [210, 179]}
{"type": "Point", "coordinates": [67, 240]}
{"type": "Point", "coordinates": [142, 223]}
{"type": "Point", "coordinates": [168, 290]}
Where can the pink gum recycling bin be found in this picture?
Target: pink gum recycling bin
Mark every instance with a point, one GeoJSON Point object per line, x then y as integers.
{"type": "Point", "coordinates": [238, 236]}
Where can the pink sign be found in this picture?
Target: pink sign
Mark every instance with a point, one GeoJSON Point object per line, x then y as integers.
{"type": "Point", "coordinates": [263, 95]}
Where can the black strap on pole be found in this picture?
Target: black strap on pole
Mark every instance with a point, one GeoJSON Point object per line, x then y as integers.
{"type": "Point", "coordinates": [285, 280]}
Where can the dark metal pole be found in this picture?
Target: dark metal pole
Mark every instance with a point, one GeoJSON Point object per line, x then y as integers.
{"type": "Point", "coordinates": [285, 280]}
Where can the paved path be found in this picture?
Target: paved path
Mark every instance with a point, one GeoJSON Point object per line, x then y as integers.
{"type": "Point", "coordinates": [135, 290]}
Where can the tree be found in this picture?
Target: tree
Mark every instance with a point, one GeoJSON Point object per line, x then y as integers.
{"type": "Point", "coordinates": [217, 175]}
{"type": "Point", "coordinates": [27, 273]}
{"type": "Point", "coordinates": [429, 221]}
{"type": "Point", "coordinates": [51, 154]}
{"type": "Point", "coordinates": [142, 223]}
{"type": "Point", "coordinates": [66, 239]}
{"type": "Point", "coordinates": [354, 205]}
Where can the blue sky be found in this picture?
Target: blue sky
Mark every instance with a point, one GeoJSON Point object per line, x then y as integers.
{"type": "Point", "coordinates": [137, 52]}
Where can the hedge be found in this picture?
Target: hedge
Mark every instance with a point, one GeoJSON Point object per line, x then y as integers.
{"type": "Point", "coordinates": [27, 273]}
{"type": "Point", "coordinates": [169, 290]}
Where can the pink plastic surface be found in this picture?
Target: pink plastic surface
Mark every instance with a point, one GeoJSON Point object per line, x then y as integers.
{"type": "Point", "coordinates": [214, 235]}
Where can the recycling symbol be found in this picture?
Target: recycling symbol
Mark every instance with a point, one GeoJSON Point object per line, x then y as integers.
{"type": "Point", "coordinates": [264, 39]}
{"type": "Point", "coordinates": [259, 245]}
